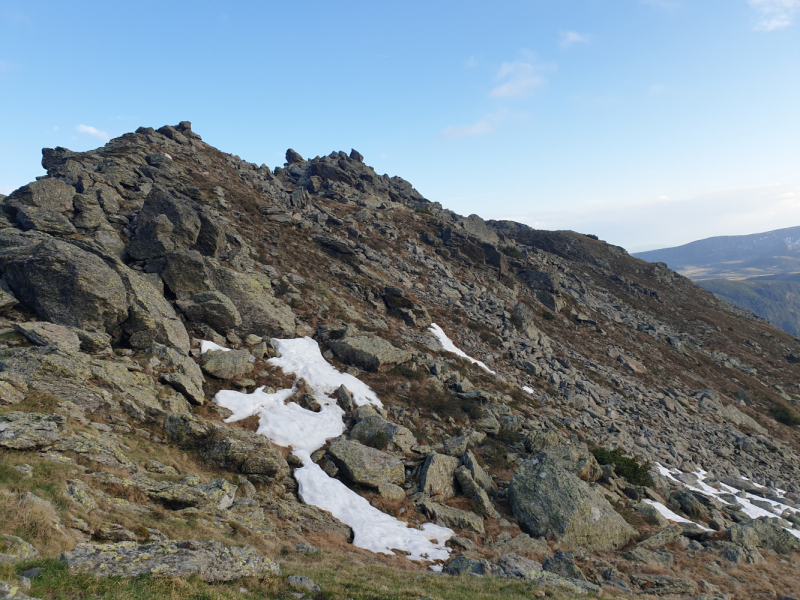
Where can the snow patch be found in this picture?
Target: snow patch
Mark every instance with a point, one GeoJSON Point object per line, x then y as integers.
{"type": "Point", "coordinates": [373, 530]}
{"type": "Point", "coordinates": [205, 346]}
{"type": "Point", "coordinates": [306, 431]}
{"type": "Point", "coordinates": [668, 514]}
{"type": "Point", "coordinates": [301, 357]}
{"type": "Point", "coordinates": [447, 344]}
{"type": "Point", "coordinates": [527, 390]}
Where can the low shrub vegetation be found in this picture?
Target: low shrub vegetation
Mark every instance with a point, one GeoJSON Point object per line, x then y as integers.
{"type": "Point", "coordinates": [629, 468]}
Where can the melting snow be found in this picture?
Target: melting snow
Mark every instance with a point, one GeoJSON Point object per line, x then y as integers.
{"type": "Point", "coordinates": [748, 508]}
{"type": "Point", "coordinates": [306, 431]}
{"type": "Point", "coordinates": [526, 389]}
{"type": "Point", "coordinates": [373, 530]}
{"type": "Point", "coordinates": [205, 346]}
{"type": "Point", "coordinates": [668, 514]}
{"type": "Point", "coordinates": [448, 345]}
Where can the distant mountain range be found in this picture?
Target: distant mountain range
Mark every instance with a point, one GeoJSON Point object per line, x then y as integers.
{"type": "Point", "coordinates": [758, 272]}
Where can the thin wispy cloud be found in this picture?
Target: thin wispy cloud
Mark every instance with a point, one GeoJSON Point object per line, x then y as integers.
{"type": "Point", "coordinates": [775, 14]}
{"type": "Point", "coordinates": [471, 63]}
{"type": "Point", "coordinates": [520, 78]}
{"type": "Point", "coordinates": [5, 65]}
{"type": "Point", "coordinates": [92, 131]}
{"type": "Point", "coordinates": [656, 89]}
{"type": "Point", "coordinates": [570, 38]}
{"type": "Point", "coordinates": [486, 125]}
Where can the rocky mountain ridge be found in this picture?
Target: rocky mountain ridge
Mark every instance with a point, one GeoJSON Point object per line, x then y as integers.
{"type": "Point", "coordinates": [121, 264]}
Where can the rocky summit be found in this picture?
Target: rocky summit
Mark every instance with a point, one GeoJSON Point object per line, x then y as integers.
{"type": "Point", "coordinates": [312, 380]}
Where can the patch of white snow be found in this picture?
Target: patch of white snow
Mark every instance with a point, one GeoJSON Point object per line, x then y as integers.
{"type": "Point", "coordinates": [668, 514]}
{"type": "Point", "coordinates": [373, 530]}
{"type": "Point", "coordinates": [306, 431]}
{"type": "Point", "coordinates": [447, 344]}
{"type": "Point", "coordinates": [205, 346]}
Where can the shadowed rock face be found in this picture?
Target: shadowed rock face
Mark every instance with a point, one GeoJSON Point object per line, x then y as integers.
{"type": "Point", "coordinates": [62, 283]}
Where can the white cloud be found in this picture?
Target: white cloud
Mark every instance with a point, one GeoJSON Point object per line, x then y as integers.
{"type": "Point", "coordinates": [481, 127]}
{"type": "Point", "coordinates": [568, 38]}
{"type": "Point", "coordinates": [520, 77]}
{"type": "Point", "coordinates": [92, 131]}
{"type": "Point", "coordinates": [775, 14]}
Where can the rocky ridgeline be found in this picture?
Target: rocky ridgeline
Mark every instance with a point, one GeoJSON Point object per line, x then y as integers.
{"type": "Point", "coordinates": [120, 260]}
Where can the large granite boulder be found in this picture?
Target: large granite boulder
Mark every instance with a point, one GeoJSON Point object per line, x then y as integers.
{"type": "Point", "coordinates": [212, 308]}
{"type": "Point", "coordinates": [152, 318]}
{"type": "Point", "coordinates": [61, 282]}
{"type": "Point", "coordinates": [44, 220]}
{"type": "Point", "coordinates": [209, 561]}
{"type": "Point", "coordinates": [227, 447]}
{"type": "Point", "coordinates": [438, 476]}
{"type": "Point", "coordinates": [570, 456]}
{"type": "Point", "coordinates": [369, 352]}
{"type": "Point", "coordinates": [227, 364]}
{"type": "Point", "coordinates": [378, 432]}
{"type": "Point", "coordinates": [366, 466]}
{"type": "Point", "coordinates": [47, 193]}
{"type": "Point", "coordinates": [261, 312]}
{"type": "Point", "coordinates": [549, 501]}
{"type": "Point", "coordinates": [166, 223]}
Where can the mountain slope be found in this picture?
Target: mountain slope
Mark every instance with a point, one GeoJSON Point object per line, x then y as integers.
{"type": "Point", "coordinates": [127, 268]}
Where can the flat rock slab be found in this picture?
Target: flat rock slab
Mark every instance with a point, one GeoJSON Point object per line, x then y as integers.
{"type": "Point", "coordinates": [367, 466]}
{"type": "Point", "coordinates": [50, 334]}
{"type": "Point", "coordinates": [209, 561]}
{"type": "Point", "coordinates": [447, 516]}
{"type": "Point", "coordinates": [30, 431]}
{"type": "Point", "coordinates": [369, 352]}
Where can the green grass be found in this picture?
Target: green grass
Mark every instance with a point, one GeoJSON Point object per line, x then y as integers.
{"type": "Point", "coordinates": [629, 468]}
{"type": "Point", "coordinates": [339, 578]}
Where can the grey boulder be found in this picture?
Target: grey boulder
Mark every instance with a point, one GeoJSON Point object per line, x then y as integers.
{"type": "Point", "coordinates": [549, 501]}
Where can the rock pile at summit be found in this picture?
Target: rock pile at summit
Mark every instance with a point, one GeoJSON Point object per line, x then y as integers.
{"type": "Point", "coordinates": [140, 279]}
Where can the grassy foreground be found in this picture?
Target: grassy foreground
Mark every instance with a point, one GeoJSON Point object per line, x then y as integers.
{"type": "Point", "coordinates": [338, 578]}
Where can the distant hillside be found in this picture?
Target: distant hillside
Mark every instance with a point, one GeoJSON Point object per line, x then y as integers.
{"type": "Point", "coordinates": [734, 256]}
{"type": "Point", "coordinates": [776, 301]}
{"type": "Point", "coordinates": [758, 272]}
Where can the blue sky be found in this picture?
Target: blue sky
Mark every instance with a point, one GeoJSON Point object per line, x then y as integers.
{"type": "Point", "coordinates": [648, 122]}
